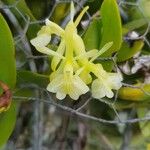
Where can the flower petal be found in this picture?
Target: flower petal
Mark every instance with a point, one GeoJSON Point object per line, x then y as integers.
{"type": "Point", "coordinates": [115, 80]}
{"type": "Point", "coordinates": [74, 94]}
{"type": "Point", "coordinates": [55, 29]}
{"type": "Point", "coordinates": [88, 54]}
{"type": "Point", "coordinates": [85, 76]}
{"type": "Point", "coordinates": [60, 95]}
{"type": "Point", "coordinates": [72, 11]}
{"type": "Point", "coordinates": [45, 30]}
{"type": "Point", "coordinates": [103, 50]}
{"type": "Point", "coordinates": [41, 40]}
{"type": "Point", "coordinates": [80, 85]}
{"type": "Point", "coordinates": [78, 44]}
{"type": "Point", "coordinates": [100, 90]}
{"type": "Point", "coordinates": [46, 50]}
{"type": "Point", "coordinates": [55, 84]}
{"type": "Point", "coordinates": [55, 61]}
{"type": "Point", "coordinates": [81, 15]}
{"type": "Point", "coordinates": [78, 88]}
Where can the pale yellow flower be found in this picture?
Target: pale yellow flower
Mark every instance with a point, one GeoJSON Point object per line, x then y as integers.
{"type": "Point", "coordinates": [67, 83]}
{"type": "Point", "coordinates": [104, 83]}
{"type": "Point", "coordinates": [72, 65]}
{"type": "Point", "coordinates": [64, 78]}
{"type": "Point", "coordinates": [42, 40]}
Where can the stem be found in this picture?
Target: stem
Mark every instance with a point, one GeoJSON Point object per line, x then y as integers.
{"type": "Point", "coordinates": [63, 131]}
{"type": "Point", "coordinates": [64, 127]}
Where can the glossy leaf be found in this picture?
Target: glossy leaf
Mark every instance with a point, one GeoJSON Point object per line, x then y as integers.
{"type": "Point", "coordinates": [135, 24]}
{"type": "Point", "coordinates": [41, 11]}
{"type": "Point", "coordinates": [127, 51]}
{"type": "Point", "coordinates": [112, 30]}
{"type": "Point", "coordinates": [7, 55]}
{"type": "Point", "coordinates": [145, 5]}
{"type": "Point", "coordinates": [8, 76]}
{"type": "Point", "coordinates": [93, 35]}
{"type": "Point", "coordinates": [7, 123]}
{"type": "Point", "coordinates": [134, 94]}
{"type": "Point", "coordinates": [60, 12]}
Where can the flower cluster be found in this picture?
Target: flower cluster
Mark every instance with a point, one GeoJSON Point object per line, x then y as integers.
{"type": "Point", "coordinates": [72, 65]}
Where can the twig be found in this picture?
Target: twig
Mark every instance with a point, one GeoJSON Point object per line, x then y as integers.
{"type": "Point", "coordinates": [63, 131]}
{"type": "Point", "coordinates": [81, 115]}
{"type": "Point", "coordinates": [64, 126]}
{"type": "Point", "coordinates": [82, 106]}
{"type": "Point", "coordinates": [127, 133]}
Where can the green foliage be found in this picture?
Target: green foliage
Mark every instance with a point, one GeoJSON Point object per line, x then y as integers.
{"type": "Point", "coordinates": [60, 12]}
{"type": "Point", "coordinates": [126, 51]}
{"type": "Point", "coordinates": [144, 126]}
{"type": "Point", "coordinates": [93, 35]}
{"type": "Point", "coordinates": [112, 30]}
{"type": "Point", "coordinates": [103, 29]}
{"type": "Point", "coordinates": [8, 76]}
{"type": "Point", "coordinates": [145, 5]}
{"type": "Point", "coordinates": [7, 123]}
{"type": "Point", "coordinates": [106, 29]}
{"type": "Point", "coordinates": [135, 24]}
{"type": "Point", "coordinates": [135, 94]}
{"type": "Point", "coordinates": [7, 55]}
{"type": "Point", "coordinates": [27, 77]}
{"type": "Point", "coordinates": [33, 5]}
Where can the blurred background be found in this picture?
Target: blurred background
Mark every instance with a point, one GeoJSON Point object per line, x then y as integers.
{"type": "Point", "coordinates": [43, 122]}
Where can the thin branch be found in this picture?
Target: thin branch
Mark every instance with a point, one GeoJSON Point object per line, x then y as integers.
{"type": "Point", "coordinates": [81, 115]}
{"type": "Point", "coordinates": [82, 106]}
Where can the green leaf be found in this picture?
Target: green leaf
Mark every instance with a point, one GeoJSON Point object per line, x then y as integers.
{"type": "Point", "coordinates": [27, 77]}
{"type": "Point", "coordinates": [127, 52]}
{"type": "Point", "coordinates": [145, 126]}
{"type": "Point", "coordinates": [92, 36]}
{"type": "Point", "coordinates": [135, 24]}
{"type": "Point", "coordinates": [7, 123]}
{"type": "Point", "coordinates": [7, 55]}
{"type": "Point", "coordinates": [8, 76]}
{"type": "Point", "coordinates": [112, 30]}
{"type": "Point", "coordinates": [135, 94]}
{"type": "Point", "coordinates": [145, 5]}
{"type": "Point", "coordinates": [41, 11]}
{"type": "Point", "coordinates": [60, 12]}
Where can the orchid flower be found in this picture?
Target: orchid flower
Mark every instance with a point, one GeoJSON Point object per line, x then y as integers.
{"type": "Point", "coordinates": [64, 80]}
{"type": "Point", "coordinates": [72, 65]}
{"type": "Point", "coordinates": [67, 83]}
{"type": "Point", "coordinates": [105, 82]}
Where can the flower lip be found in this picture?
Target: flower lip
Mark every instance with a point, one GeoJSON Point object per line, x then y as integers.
{"type": "Point", "coordinates": [71, 85]}
{"type": "Point", "coordinates": [103, 85]}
